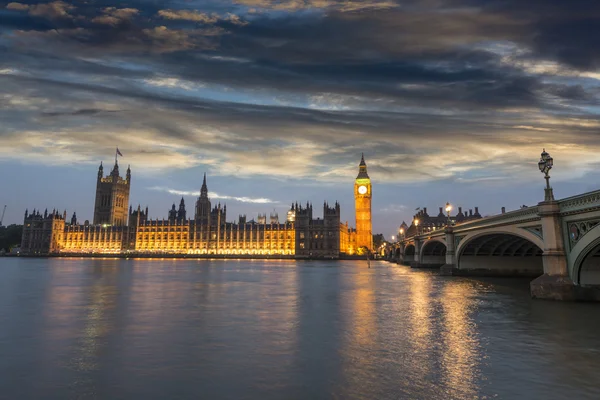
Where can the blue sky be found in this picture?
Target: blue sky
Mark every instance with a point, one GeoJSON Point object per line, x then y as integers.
{"type": "Point", "coordinates": [450, 100]}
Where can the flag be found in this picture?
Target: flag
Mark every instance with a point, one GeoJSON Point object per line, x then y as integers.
{"type": "Point", "coordinates": [417, 209]}
{"type": "Point", "coordinates": [119, 153]}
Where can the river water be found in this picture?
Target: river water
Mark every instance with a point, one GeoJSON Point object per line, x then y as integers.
{"type": "Point", "coordinates": [199, 329]}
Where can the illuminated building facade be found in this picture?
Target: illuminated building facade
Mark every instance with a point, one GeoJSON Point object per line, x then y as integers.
{"type": "Point", "coordinates": [112, 197]}
{"type": "Point", "coordinates": [116, 230]}
{"type": "Point", "coordinates": [362, 201]}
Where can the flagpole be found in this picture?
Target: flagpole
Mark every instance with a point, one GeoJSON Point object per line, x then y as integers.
{"type": "Point", "coordinates": [116, 150]}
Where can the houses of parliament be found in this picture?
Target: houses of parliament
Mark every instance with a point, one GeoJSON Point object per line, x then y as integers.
{"type": "Point", "coordinates": [119, 229]}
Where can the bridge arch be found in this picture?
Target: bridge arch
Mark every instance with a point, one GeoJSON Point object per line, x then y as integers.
{"type": "Point", "coordinates": [510, 252]}
{"type": "Point", "coordinates": [433, 253]}
{"type": "Point", "coordinates": [585, 269]}
{"type": "Point", "coordinates": [409, 250]}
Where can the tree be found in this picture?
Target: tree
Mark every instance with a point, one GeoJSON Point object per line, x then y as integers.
{"type": "Point", "coordinates": [10, 236]}
{"type": "Point", "coordinates": [378, 240]}
{"type": "Point", "coordinates": [363, 251]}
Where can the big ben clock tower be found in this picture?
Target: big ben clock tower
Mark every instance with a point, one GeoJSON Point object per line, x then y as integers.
{"type": "Point", "coordinates": [362, 201]}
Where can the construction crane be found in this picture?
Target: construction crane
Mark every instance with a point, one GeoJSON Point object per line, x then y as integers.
{"type": "Point", "coordinates": [2, 217]}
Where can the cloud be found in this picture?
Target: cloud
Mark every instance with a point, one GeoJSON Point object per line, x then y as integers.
{"type": "Point", "coordinates": [17, 6]}
{"type": "Point", "coordinates": [394, 208]}
{"type": "Point", "coordinates": [214, 195]}
{"type": "Point", "coordinates": [200, 17]}
{"type": "Point", "coordinates": [52, 10]}
{"type": "Point", "coordinates": [431, 91]}
{"type": "Point", "coordinates": [189, 15]}
{"type": "Point", "coordinates": [298, 5]}
{"type": "Point", "coordinates": [114, 16]}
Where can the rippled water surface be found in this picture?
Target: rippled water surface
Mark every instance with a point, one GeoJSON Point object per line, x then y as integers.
{"type": "Point", "coordinates": [168, 329]}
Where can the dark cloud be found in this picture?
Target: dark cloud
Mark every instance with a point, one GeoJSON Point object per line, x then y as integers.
{"type": "Point", "coordinates": [399, 80]}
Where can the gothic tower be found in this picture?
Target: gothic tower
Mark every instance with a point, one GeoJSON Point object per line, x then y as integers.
{"type": "Point", "coordinates": [112, 197]}
{"type": "Point", "coordinates": [203, 205]}
{"type": "Point", "coordinates": [362, 201]}
{"type": "Point", "coordinates": [181, 214]}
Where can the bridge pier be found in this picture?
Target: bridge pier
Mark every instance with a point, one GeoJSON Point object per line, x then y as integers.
{"type": "Point", "coordinates": [555, 283]}
{"type": "Point", "coordinates": [450, 265]}
{"type": "Point", "coordinates": [416, 261]}
{"type": "Point", "coordinates": [400, 259]}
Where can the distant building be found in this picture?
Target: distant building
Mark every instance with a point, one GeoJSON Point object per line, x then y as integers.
{"type": "Point", "coordinates": [428, 223]}
{"type": "Point", "coordinates": [119, 229]}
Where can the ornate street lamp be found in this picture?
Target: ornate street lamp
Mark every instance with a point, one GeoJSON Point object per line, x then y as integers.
{"type": "Point", "coordinates": [401, 233]}
{"type": "Point", "coordinates": [545, 165]}
{"type": "Point", "coordinates": [416, 222]}
{"type": "Point", "coordinates": [448, 209]}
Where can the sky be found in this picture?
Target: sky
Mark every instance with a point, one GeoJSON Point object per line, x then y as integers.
{"type": "Point", "coordinates": [449, 100]}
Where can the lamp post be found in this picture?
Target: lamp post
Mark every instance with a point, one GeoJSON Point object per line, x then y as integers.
{"type": "Point", "coordinates": [448, 209]}
{"type": "Point", "coordinates": [416, 222]}
{"type": "Point", "coordinates": [401, 234]}
{"type": "Point", "coordinates": [545, 165]}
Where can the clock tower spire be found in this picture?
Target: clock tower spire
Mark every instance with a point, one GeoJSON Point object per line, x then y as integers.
{"type": "Point", "coordinates": [362, 202]}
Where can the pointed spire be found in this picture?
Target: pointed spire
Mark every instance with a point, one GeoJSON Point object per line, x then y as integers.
{"type": "Point", "coordinates": [204, 188]}
{"type": "Point", "coordinates": [362, 168]}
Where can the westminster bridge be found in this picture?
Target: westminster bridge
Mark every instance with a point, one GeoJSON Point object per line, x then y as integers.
{"type": "Point", "coordinates": [556, 241]}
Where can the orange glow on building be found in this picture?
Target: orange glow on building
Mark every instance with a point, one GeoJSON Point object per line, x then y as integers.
{"type": "Point", "coordinates": [208, 233]}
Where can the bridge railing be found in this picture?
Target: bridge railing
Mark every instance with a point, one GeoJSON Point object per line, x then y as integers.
{"type": "Point", "coordinates": [580, 202]}
{"type": "Point", "coordinates": [568, 205]}
{"type": "Point", "coordinates": [521, 215]}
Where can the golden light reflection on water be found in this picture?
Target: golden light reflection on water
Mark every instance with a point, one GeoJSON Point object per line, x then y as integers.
{"type": "Point", "coordinates": [461, 356]}
{"type": "Point", "coordinates": [364, 321]}
{"type": "Point", "coordinates": [420, 316]}
{"type": "Point", "coordinates": [98, 320]}
{"type": "Point", "coordinates": [360, 335]}
{"type": "Point", "coordinates": [420, 308]}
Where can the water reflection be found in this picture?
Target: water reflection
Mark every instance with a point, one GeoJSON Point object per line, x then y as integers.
{"type": "Point", "coordinates": [421, 339]}
{"type": "Point", "coordinates": [360, 343]}
{"type": "Point", "coordinates": [363, 326]}
{"type": "Point", "coordinates": [219, 329]}
{"type": "Point", "coordinates": [461, 354]}
{"type": "Point", "coordinates": [99, 313]}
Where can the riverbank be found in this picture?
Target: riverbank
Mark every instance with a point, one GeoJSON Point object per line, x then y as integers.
{"type": "Point", "coordinates": [186, 256]}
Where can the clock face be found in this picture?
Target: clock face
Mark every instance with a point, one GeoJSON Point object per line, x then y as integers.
{"type": "Point", "coordinates": [362, 189]}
